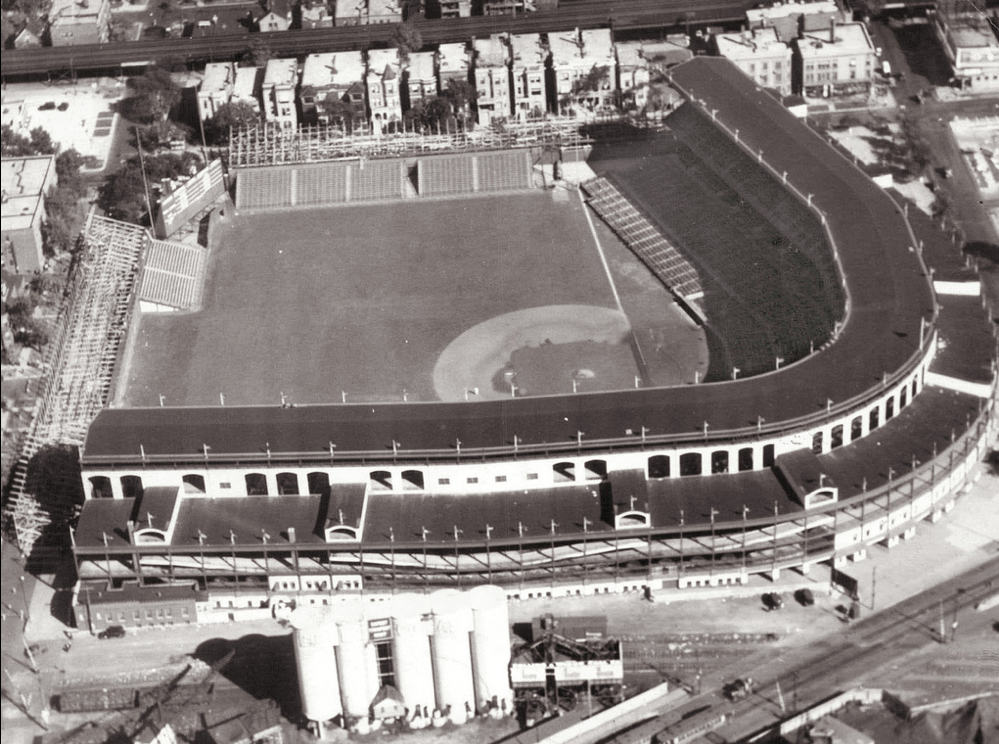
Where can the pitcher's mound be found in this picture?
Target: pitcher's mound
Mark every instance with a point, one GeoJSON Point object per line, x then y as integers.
{"type": "Point", "coordinates": [470, 364]}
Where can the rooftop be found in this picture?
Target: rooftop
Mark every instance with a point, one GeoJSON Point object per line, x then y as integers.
{"type": "Point", "coordinates": [421, 66]}
{"type": "Point", "coordinates": [383, 62]}
{"type": "Point", "coordinates": [850, 38]}
{"type": "Point", "coordinates": [219, 77]}
{"type": "Point", "coordinates": [490, 52]}
{"type": "Point", "coordinates": [245, 85]}
{"type": "Point", "coordinates": [452, 58]}
{"type": "Point", "coordinates": [749, 45]}
{"type": "Point", "coordinates": [22, 181]}
{"type": "Point", "coordinates": [339, 69]}
{"type": "Point", "coordinates": [281, 72]}
{"type": "Point", "coordinates": [528, 50]}
{"type": "Point", "coordinates": [593, 46]}
{"type": "Point", "coordinates": [344, 9]}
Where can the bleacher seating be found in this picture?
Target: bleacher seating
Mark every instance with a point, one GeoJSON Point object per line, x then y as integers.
{"type": "Point", "coordinates": [377, 180]}
{"type": "Point", "coordinates": [321, 184]}
{"type": "Point", "coordinates": [264, 188]}
{"type": "Point", "coordinates": [504, 171]}
{"type": "Point", "coordinates": [173, 274]}
{"type": "Point", "coordinates": [671, 268]}
{"type": "Point", "coordinates": [446, 175]}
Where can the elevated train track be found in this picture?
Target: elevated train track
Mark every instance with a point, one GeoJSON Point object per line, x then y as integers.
{"type": "Point", "coordinates": [619, 15]}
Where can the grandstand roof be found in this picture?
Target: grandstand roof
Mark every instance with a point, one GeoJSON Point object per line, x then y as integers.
{"type": "Point", "coordinates": [888, 291]}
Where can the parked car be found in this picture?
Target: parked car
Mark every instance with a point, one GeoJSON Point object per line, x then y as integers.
{"type": "Point", "coordinates": [773, 601]}
{"type": "Point", "coordinates": [112, 631]}
{"type": "Point", "coordinates": [805, 597]}
{"type": "Point", "coordinates": [739, 689]}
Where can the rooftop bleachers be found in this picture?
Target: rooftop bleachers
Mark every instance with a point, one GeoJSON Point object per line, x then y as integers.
{"type": "Point", "coordinates": [173, 274]}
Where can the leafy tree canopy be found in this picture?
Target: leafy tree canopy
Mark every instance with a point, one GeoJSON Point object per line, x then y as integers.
{"type": "Point", "coordinates": [234, 114]}
{"type": "Point", "coordinates": [153, 94]}
{"type": "Point", "coordinates": [123, 195]}
{"type": "Point", "coordinates": [14, 145]}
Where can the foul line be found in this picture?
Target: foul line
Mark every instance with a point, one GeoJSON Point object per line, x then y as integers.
{"type": "Point", "coordinates": [600, 250]}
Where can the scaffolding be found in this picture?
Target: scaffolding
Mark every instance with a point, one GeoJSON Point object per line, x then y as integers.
{"type": "Point", "coordinates": [79, 364]}
{"type": "Point", "coordinates": [268, 145]}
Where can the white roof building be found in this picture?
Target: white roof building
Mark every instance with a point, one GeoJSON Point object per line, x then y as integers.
{"type": "Point", "coordinates": [216, 88]}
{"type": "Point", "coordinates": [492, 77]}
{"type": "Point", "coordinates": [840, 57]}
{"type": "Point", "coordinates": [972, 49]}
{"type": "Point", "coordinates": [761, 55]}
{"type": "Point", "coordinates": [528, 56]}
{"type": "Point", "coordinates": [351, 12]}
{"type": "Point", "coordinates": [383, 81]}
{"type": "Point", "coordinates": [246, 87]}
{"type": "Point", "coordinates": [25, 182]}
{"type": "Point", "coordinates": [73, 22]}
{"type": "Point", "coordinates": [452, 62]}
{"type": "Point", "coordinates": [337, 73]}
{"type": "Point", "coordinates": [585, 68]}
{"type": "Point", "coordinates": [280, 82]}
{"type": "Point", "coordinates": [421, 76]}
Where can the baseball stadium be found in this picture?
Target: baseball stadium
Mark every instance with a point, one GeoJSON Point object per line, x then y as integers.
{"type": "Point", "coordinates": [723, 353]}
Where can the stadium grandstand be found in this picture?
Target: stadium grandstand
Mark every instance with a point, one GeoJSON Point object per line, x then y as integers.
{"type": "Point", "coordinates": [875, 427]}
{"type": "Point", "coordinates": [172, 277]}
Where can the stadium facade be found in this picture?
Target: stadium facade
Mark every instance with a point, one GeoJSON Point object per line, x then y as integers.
{"type": "Point", "coordinates": [874, 428]}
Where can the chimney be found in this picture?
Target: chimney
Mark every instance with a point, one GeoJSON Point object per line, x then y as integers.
{"type": "Point", "coordinates": [832, 30]}
{"type": "Point", "coordinates": [291, 535]}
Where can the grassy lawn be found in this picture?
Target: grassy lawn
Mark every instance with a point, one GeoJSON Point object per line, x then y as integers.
{"type": "Point", "coordinates": [362, 299]}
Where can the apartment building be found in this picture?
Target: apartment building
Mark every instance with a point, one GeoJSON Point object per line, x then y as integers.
{"type": "Point", "coordinates": [421, 77]}
{"type": "Point", "coordinates": [315, 15]}
{"type": "Point", "coordinates": [274, 15]}
{"type": "Point", "coordinates": [838, 59]}
{"type": "Point", "coordinates": [762, 55]}
{"type": "Point", "coordinates": [528, 57]}
{"type": "Point", "coordinates": [25, 182]}
{"type": "Point", "coordinates": [584, 67]}
{"type": "Point", "coordinates": [971, 47]}
{"type": "Point", "coordinates": [329, 79]}
{"type": "Point", "coordinates": [456, 8]}
{"type": "Point", "coordinates": [216, 88]}
{"type": "Point", "coordinates": [246, 86]}
{"type": "Point", "coordinates": [383, 80]}
{"type": "Point", "coordinates": [279, 88]}
{"type": "Point", "coordinates": [492, 77]}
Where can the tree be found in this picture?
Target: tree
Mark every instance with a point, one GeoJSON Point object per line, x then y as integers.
{"type": "Point", "coordinates": [256, 55]}
{"type": "Point", "coordinates": [235, 114]}
{"type": "Point", "coordinates": [123, 195]}
{"type": "Point", "coordinates": [153, 94]}
{"type": "Point", "coordinates": [14, 145]}
{"type": "Point", "coordinates": [341, 110]}
{"type": "Point", "coordinates": [408, 38]}
{"type": "Point", "coordinates": [460, 93]}
{"type": "Point", "coordinates": [27, 329]}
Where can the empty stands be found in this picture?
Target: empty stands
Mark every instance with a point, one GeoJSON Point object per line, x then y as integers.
{"type": "Point", "coordinates": [482, 172]}
{"type": "Point", "coordinates": [376, 180]}
{"type": "Point", "coordinates": [671, 268]}
{"type": "Point", "coordinates": [173, 275]}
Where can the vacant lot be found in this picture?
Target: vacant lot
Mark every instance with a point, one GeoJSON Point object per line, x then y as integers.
{"type": "Point", "coordinates": [364, 299]}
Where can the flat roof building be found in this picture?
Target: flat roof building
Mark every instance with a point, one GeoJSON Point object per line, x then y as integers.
{"type": "Point", "coordinates": [528, 58]}
{"type": "Point", "coordinates": [421, 77]}
{"type": "Point", "coordinates": [838, 59]}
{"type": "Point", "coordinates": [452, 62]}
{"type": "Point", "coordinates": [492, 77]}
{"type": "Point", "coordinates": [330, 78]}
{"type": "Point", "coordinates": [761, 55]}
{"type": "Point", "coordinates": [383, 81]}
{"type": "Point", "coordinates": [384, 11]}
{"type": "Point", "coordinates": [246, 86]}
{"type": "Point", "coordinates": [456, 8]}
{"type": "Point", "coordinates": [216, 88]}
{"type": "Point", "coordinates": [585, 69]}
{"type": "Point", "coordinates": [971, 47]}
{"type": "Point", "coordinates": [25, 183]}
{"type": "Point", "coordinates": [789, 19]}
{"type": "Point", "coordinates": [350, 12]}
{"type": "Point", "coordinates": [280, 82]}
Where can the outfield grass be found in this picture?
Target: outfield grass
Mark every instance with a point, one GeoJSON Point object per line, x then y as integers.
{"type": "Point", "coordinates": [362, 299]}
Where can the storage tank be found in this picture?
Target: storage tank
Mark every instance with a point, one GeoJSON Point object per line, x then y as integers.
{"type": "Point", "coordinates": [314, 637]}
{"type": "Point", "coordinates": [452, 654]}
{"type": "Point", "coordinates": [491, 645]}
{"type": "Point", "coordinates": [353, 659]}
{"type": "Point", "coordinates": [414, 670]}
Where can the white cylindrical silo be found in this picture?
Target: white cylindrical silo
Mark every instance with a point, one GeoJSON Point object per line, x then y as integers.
{"type": "Point", "coordinates": [452, 653]}
{"type": "Point", "coordinates": [414, 671]}
{"type": "Point", "coordinates": [491, 645]}
{"type": "Point", "coordinates": [353, 659]}
{"type": "Point", "coordinates": [314, 636]}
